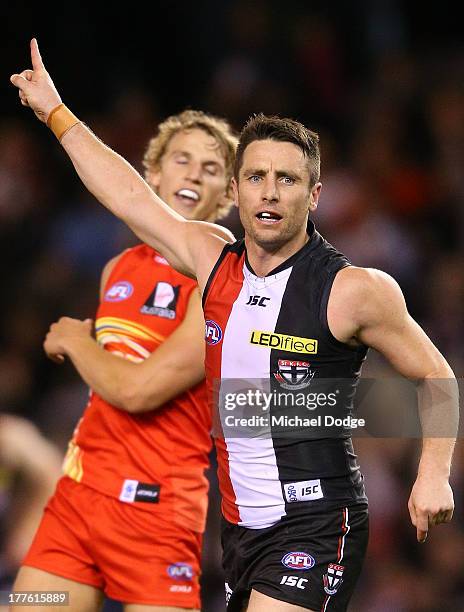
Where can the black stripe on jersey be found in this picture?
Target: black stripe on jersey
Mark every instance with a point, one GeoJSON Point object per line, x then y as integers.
{"type": "Point", "coordinates": [298, 458]}
{"type": "Point", "coordinates": [235, 247]}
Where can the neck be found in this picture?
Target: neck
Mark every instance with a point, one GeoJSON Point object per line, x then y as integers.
{"type": "Point", "coordinates": [264, 260]}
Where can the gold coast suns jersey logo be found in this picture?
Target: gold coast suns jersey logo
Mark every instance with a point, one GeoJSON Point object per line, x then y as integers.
{"type": "Point", "coordinates": [162, 301]}
{"type": "Point", "coordinates": [283, 342]}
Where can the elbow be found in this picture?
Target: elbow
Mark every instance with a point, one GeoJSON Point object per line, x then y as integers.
{"type": "Point", "coordinates": [441, 370]}
{"type": "Point", "coordinates": [134, 401]}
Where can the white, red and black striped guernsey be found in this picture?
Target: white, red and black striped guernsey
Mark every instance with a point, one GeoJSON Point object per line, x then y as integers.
{"type": "Point", "coordinates": [241, 311]}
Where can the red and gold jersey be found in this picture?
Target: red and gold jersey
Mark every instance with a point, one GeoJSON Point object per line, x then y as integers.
{"type": "Point", "coordinates": [157, 459]}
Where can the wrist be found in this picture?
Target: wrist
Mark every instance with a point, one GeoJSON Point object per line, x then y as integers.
{"type": "Point", "coordinates": [75, 346]}
{"type": "Point", "coordinates": [429, 469]}
{"type": "Point", "coordinates": [60, 120]}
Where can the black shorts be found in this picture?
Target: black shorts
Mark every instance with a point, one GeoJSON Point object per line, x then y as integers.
{"type": "Point", "coordinates": [311, 561]}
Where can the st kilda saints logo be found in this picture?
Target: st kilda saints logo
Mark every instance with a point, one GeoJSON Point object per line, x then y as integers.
{"type": "Point", "coordinates": [333, 579]}
{"type": "Point", "coordinates": [293, 374]}
{"type": "Point", "coordinates": [162, 301]}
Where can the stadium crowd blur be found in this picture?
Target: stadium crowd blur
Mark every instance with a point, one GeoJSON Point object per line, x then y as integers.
{"type": "Point", "coordinates": [388, 103]}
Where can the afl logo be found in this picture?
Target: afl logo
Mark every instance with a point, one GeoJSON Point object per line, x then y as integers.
{"type": "Point", "coordinates": [213, 333]}
{"type": "Point", "coordinates": [119, 291]}
{"type": "Point", "coordinates": [298, 561]}
{"type": "Point", "coordinates": [180, 571]}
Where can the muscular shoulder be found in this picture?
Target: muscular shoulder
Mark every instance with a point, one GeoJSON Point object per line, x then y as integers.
{"type": "Point", "coordinates": [364, 282]}
{"type": "Point", "coordinates": [362, 297]}
{"type": "Point", "coordinates": [366, 290]}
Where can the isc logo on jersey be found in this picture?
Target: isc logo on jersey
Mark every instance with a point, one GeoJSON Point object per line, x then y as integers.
{"type": "Point", "coordinates": [119, 291]}
{"type": "Point", "coordinates": [298, 561]}
{"type": "Point", "coordinates": [213, 333]}
{"type": "Point", "coordinates": [180, 571]}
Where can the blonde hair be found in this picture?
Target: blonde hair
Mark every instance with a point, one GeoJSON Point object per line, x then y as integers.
{"type": "Point", "coordinates": [216, 127]}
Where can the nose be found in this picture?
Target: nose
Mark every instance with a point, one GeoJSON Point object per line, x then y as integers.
{"type": "Point", "coordinates": [270, 190]}
{"type": "Point", "coordinates": [194, 172]}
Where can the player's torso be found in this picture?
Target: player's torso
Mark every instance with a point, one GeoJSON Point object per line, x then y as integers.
{"type": "Point", "coordinates": [155, 459]}
{"type": "Point", "coordinates": [271, 334]}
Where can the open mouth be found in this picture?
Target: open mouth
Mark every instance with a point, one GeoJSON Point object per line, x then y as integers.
{"type": "Point", "coordinates": [188, 196]}
{"type": "Point", "coordinates": [268, 217]}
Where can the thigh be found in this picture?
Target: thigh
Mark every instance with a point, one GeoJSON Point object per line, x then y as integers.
{"type": "Point", "coordinates": [82, 597]}
{"type": "Point", "coordinates": [262, 603]}
{"type": "Point", "coordinates": [147, 560]}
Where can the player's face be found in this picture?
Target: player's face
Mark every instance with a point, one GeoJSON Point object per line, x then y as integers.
{"type": "Point", "coordinates": [191, 177]}
{"type": "Point", "coordinates": [273, 193]}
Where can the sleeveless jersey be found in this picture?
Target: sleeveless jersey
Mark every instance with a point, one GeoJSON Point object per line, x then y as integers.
{"type": "Point", "coordinates": [275, 329]}
{"type": "Point", "coordinates": [155, 460]}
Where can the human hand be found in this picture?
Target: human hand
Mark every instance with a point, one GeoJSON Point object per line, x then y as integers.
{"type": "Point", "coordinates": [63, 331]}
{"type": "Point", "coordinates": [431, 502]}
{"type": "Point", "coordinates": [36, 88]}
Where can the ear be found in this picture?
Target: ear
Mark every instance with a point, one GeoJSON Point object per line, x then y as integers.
{"type": "Point", "coordinates": [234, 186]}
{"type": "Point", "coordinates": [314, 196]}
{"type": "Point", "coordinates": [154, 178]}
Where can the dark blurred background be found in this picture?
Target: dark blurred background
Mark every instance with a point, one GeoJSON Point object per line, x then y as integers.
{"type": "Point", "coordinates": [383, 84]}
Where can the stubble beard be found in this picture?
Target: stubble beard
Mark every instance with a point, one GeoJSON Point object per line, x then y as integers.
{"type": "Point", "coordinates": [271, 241]}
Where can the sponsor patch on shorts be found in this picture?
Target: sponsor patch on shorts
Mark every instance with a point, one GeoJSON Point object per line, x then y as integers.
{"type": "Point", "coordinates": [181, 588]}
{"type": "Point", "coordinates": [135, 491]}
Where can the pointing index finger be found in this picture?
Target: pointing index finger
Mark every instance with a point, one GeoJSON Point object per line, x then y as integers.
{"type": "Point", "coordinates": [37, 63]}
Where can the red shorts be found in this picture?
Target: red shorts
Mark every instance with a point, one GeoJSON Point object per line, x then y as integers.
{"type": "Point", "coordinates": [128, 553]}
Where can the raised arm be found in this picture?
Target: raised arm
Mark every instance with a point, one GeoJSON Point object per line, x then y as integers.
{"type": "Point", "coordinates": [192, 247]}
{"type": "Point", "coordinates": [379, 318]}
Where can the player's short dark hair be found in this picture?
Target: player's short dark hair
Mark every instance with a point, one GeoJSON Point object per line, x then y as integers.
{"type": "Point", "coordinates": [281, 129]}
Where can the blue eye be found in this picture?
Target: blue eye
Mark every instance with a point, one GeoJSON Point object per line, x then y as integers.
{"type": "Point", "coordinates": [288, 180]}
{"type": "Point", "coordinates": [254, 178]}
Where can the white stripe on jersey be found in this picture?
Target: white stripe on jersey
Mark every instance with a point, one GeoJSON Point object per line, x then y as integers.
{"type": "Point", "coordinates": [252, 461]}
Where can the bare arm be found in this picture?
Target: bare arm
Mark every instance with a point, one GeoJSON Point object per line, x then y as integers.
{"type": "Point", "coordinates": [175, 366]}
{"type": "Point", "coordinates": [192, 247]}
{"type": "Point", "coordinates": [378, 317]}
{"type": "Point", "coordinates": [25, 452]}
